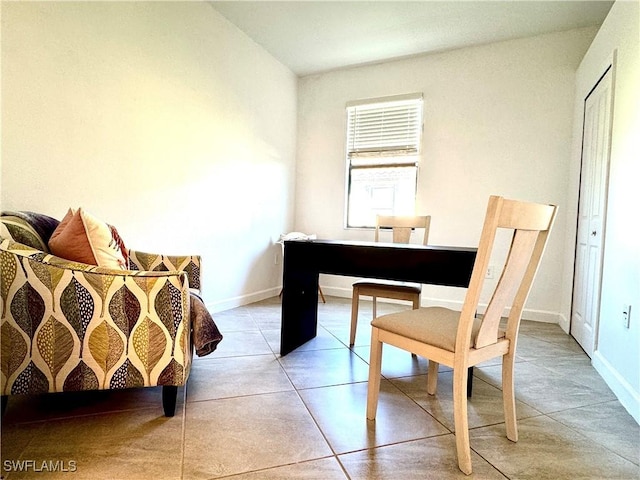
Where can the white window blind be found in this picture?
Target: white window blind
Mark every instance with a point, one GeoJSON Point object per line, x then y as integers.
{"type": "Point", "coordinates": [390, 128]}
{"type": "Point", "coordinates": [383, 140]}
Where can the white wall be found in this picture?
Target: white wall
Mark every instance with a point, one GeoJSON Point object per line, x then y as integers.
{"type": "Point", "coordinates": [160, 118]}
{"type": "Point", "coordinates": [498, 120]}
{"type": "Point", "coordinates": [617, 355]}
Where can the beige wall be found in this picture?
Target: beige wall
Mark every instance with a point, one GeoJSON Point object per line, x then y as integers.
{"type": "Point", "coordinates": [498, 120]}
{"type": "Point", "coordinates": [161, 118]}
{"type": "Point", "coordinates": [617, 355]}
{"type": "Point", "coordinates": [165, 120]}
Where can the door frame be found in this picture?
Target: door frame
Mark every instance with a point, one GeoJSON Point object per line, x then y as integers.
{"type": "Point", "coordinates": [608, 65]}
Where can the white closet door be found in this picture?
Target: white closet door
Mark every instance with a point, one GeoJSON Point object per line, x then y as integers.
{"type": "Point", "coordinates": [596, 143]}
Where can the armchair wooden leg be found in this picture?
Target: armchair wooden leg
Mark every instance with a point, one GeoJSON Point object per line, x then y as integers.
{"type": "Point", "coordinates": [460, 419]}
{"type": "Point", "coordinates": [169, 397]}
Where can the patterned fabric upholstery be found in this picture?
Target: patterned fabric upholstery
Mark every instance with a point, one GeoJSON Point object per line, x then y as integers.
{"type": "Point", "coordinates": [30, 228]}
{"type": "Point", "coordinates": [71, 326]}
{"type": "Point", "coordinates": [164, 263]}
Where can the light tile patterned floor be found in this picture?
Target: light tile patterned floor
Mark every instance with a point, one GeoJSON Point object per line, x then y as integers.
{"type": "Point", "coordinates": [249, 414]}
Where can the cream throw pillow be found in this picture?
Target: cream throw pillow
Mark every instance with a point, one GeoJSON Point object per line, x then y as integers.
{"type": "Point", "coordinates": [83, 238]}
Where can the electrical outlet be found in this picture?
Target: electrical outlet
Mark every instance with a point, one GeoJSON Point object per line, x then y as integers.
{"type": "Point", "coordinates": [489, 273]}
{"type": "Point", "coordinates": [626, 315]}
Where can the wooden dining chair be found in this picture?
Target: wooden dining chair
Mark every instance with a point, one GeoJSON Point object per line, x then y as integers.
{"type": "Point", "coordinates": [459, 339]}
{"type": "Point", "coordinates": [401, 228]}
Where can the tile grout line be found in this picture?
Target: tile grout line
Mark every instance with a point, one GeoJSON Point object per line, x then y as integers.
{"type": "Point", "coordinates": [295, 389]}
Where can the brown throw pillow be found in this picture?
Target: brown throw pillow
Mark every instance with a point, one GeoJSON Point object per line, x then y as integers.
{"type": "Point", "coordinates": [83, 238]}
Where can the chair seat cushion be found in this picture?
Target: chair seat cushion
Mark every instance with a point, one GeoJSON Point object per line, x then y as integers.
{"type": "Point", "coordinates": [390, 285]}
{"type": "Point", "coordinates": [435, 326]}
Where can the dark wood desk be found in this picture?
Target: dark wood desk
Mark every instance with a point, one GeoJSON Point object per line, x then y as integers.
{"type": "Point", "coordinates": [305, 259]}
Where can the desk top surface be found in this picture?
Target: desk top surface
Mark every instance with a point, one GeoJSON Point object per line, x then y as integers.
{"type": "Point", "coordinates": [362, 243]}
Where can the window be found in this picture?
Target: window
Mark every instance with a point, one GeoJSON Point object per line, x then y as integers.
{"type": "Point", "coordinates": [383, 147]}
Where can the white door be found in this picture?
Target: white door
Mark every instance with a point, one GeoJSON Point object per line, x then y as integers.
{"type": "Point", "coordinates": [596, 142]}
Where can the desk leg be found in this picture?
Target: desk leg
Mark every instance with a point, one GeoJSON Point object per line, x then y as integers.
{"type": "Point", "coordinates": [299, 308]}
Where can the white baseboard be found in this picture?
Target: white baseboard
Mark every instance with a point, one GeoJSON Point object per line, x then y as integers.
{"type": "Point", "coordinates": [342, 292]}
{"type": "Point", "coordinates": [541, 316]}
{"type": "Point", "coordinates": [629, 398]}
{"type": "Point", "coordinates": [535, 315]}
{"type": "Point", "coordinates": [564, 323]}
{"type": "Point", "coordinates": [235, 302]}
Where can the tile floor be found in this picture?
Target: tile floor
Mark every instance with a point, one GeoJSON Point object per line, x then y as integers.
{"type": "Point", "coordinates": [247, 414]}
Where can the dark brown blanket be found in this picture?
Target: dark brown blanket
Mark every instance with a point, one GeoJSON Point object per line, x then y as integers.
{"type": "Point", "coordinates": [205, 333]}
{"type": "Point", "coordinates": [44, 225]}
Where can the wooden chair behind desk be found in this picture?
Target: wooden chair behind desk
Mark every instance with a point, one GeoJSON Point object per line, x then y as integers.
{"type": "Point", "coordinates": [401, 228]}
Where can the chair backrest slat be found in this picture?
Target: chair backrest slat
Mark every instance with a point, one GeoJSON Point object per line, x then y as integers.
{"type": "Point", "coordinates": [525, 216]}
{"type": "Point", "coordinates": [530, 224]}
{"type": "Point", "coordinates": [508, 285]}
{"type": "Point", "coordinates": [402, 227]}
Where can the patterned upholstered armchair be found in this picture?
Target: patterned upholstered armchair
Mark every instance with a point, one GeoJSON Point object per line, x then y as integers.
{"type": "Point", "coordinates": [70, 326]}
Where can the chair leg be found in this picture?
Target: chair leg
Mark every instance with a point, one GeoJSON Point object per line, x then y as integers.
{"type": "Point", "coordinates": [355, 303]}
{"type": "Point", "coordinates": [321, 294]}
{"type": "Point", "coordinates": [375, 364]}
{"type": "Point", "coordinates": [460, 419]}
{"type": "Point", "coordinates": [169, 397]}
{"type": "Point", "coordinates": [432, 377]}
{"type": "Point", "coordinates": [508, 396]}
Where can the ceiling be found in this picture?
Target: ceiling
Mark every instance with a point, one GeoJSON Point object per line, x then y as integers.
{"type": "Point", "coordinates": [315, 36]}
